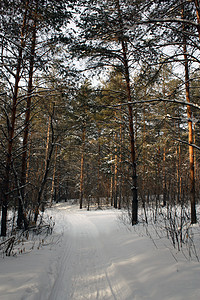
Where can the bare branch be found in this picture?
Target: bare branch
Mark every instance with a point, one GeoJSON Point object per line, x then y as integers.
{"type": "Point", "coordinates": [154, 100]}
{"type": "Point", "coordinates": [192, 145]}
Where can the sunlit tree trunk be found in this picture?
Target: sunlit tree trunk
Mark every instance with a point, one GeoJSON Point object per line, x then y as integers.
{"type": "Point", "coordinates": [190, 132]}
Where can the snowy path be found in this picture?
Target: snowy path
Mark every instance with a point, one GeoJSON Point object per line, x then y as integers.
{"type": "Point", "coordinates": [86, 270]}
{"type": "Point", "coordinates": [94, 256]}
{"type": "Point", "coordinates": [102, 259]}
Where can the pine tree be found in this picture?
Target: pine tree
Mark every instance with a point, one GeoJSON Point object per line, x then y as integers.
{"type": "Point", "coordinates": [23, 24]}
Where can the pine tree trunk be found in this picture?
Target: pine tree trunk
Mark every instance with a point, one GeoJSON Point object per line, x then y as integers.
{"type": "Point", "coordinates": [47, 142]}
{"type": "Point", "coordinates": [164, 150]}
{"type": "Point", "coordinates": [111, 186]}
{"type": "Point", "coordinates": [120, 165]}
{"type": "Point", "coordinates": [28, 159]}
{"type": "Point", "coordinates": [115, 172]}
{"type": "Point", "coordinates": [21, 207]}
{"type": "Point", "coordinates": [177, 175]}
{"type": "Point", "coordinates": [179, 199]}
{"type": "Point", "coordinates": [53, 179]}
{"type": "Point", "coordinates": [82, 167]}
{"type": "Point", "coordinates": [11, 128]}
{"type": "Point", "coordinates": [115, 182]}
{"type": "Point", "coordinates": [47, 165]}
{"type": "Point", "coordinates": [190, 133]}
{"type": "Point", "coordinates": [164, 179]}
{"type": "Point", "coordinates": [132, 142]}
{"type": "Point", "coordinates": [131, 130]}
{"type": "Point", "coordinates": [99, 166]}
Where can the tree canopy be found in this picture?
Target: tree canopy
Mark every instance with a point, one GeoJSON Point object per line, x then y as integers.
{"type": "Point", "coordinates": [99, 101]}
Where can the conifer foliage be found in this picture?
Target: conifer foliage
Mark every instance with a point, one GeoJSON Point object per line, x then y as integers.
{"type": "Point", "coordinates": [129, 140]}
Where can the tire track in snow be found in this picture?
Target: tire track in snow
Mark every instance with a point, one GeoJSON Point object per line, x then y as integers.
{"type": "Point", "coordinates": [62, 285]}
{"type": "Point", "coordinates": [86, 271]}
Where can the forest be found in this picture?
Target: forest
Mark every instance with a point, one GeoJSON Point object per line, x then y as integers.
{"type": "Point", "coordinates": [99, 103]}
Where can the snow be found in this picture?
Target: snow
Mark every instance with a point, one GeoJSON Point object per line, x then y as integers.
{"type": "Point", "coordinates": [93, 255]}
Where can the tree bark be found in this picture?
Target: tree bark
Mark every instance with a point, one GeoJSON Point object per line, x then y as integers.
{"type": "Point", "coordinates": [53, 179]}
{"type": "Point", "coordinates": [131, 129]}
{"type": "Point", "coordinates": [21, 207]}
{"type": "Point", "coordinates": [11, 127]}
{"type": "Point", "coordinates": [115, 174]}
{"type": "Point", "coordinates": [82, 166]}
{"type": "Point", "coordinates": [132, 144]}
{"type": "Point", "coordinates": [47, 167]}
{"type": "Point", "coordinates": [47, 143]}
{"type": "Point", "coordinates": [99, 166]}
{"type": "Point", "coordinates": [111, 185]}
{"type": "Point", "coordinates": [120, 164]}
{"type": "Point", "coordinates": [190, 132]}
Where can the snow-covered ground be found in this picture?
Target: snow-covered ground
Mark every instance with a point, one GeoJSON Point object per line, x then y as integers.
{"type": "Point", "coordinates": [92, 255]}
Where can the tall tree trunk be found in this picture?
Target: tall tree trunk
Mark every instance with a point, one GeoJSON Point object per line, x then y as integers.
{"type": "Point", "coordinates": [195, 154]}
{"type": "Point", "coordinates": [111, 185]}
{"type": "Point", "coordinates": [144, 159]}
{"type": "Point", "coordinates": [124, 46]}
{"type": "Point", "coordinates": [132, 140]}
{"type": "Point", "coordinates": [11, 127]}
{"type": "Point", "coordinates": [82, 166]}
{"type": "Point", "coordinates": [99, 166]}
{"type": "Point", "coordinates": [120, 164]}
{"type": "Point", "coordinates": [179, 166]}
{"type": "Point", "coordinates": [178, 173]}
{"type": "Point", "coordinates": [47, 167]}
{"type": "Point", "coordinates": [54, 174]}
{"type": "Point", "coordinates": [165, 138]}
{"type": "Point", "coordinates": [115, 168]}
{"type": "Point", "coordinates": [164, 178]}
{"type": "Point", "coordinates": [28, 159]}
{"type": "Point", "coordinates": [115, 173]}
{"type": "Point", "coordinates": [21, 206]}
{"type": "Point", "coordinates": [190, 132]}
{"type": "Point", "coordinates": [47, 142]}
